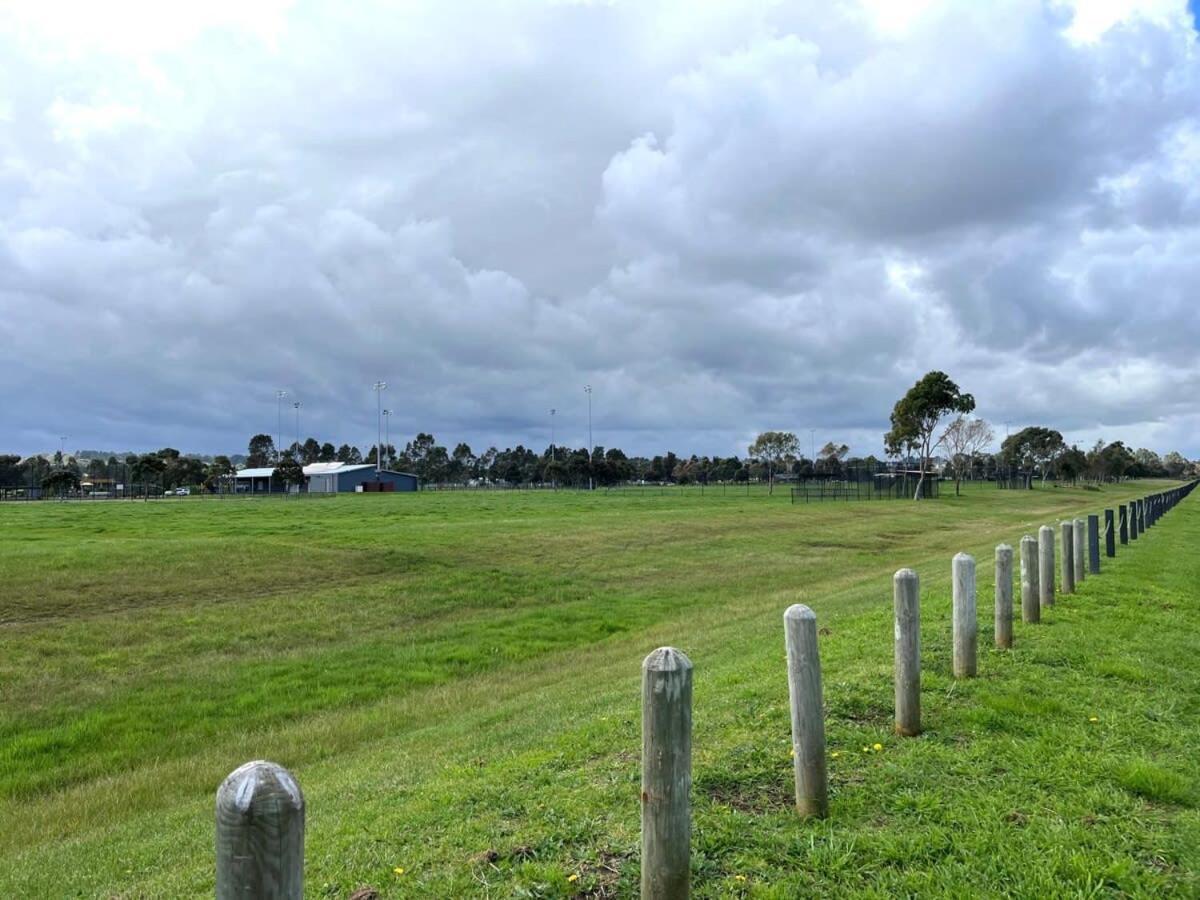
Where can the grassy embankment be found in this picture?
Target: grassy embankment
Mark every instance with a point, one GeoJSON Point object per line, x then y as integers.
{"type": "Point", "coordinates": [453, 678]}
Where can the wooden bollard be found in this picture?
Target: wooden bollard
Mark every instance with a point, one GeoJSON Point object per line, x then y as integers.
{"type": "Point", "coordinates": [1030, 609]}
{"type": "Point", "coordinates": [1004, 596]}
{"type": "Point", "coordinates": [1110, 537]}
{"type": "Point", "coordinates": [260, 834]}
{"type": "Point", "coordinates": [1068, 557]}
{"type": "Point", "coordinates": [1093, 541]}
{"type": "Point", "coordinates": [965, 620]}
{"type": "Point", "coordinates": [906, 602]}
{"type": "Point", "coordinates": [666, 774]}
{"type": "Point", "coordinates": [1079, 551]}
{"type": "Point", "coordinates": [1133, 521]}
{"type": "Point", "coordinates": [1123, 514]}
{"type": "Point", "coordinates": [1046, 566]}
{"type": "Point", "coordinates": [808, 712]}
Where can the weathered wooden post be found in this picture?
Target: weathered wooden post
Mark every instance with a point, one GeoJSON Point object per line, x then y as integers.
{"type": "Point", "coordinates": [260, 834]}
{"type": "Point", "coordinates": [1133, 520]}
{"type": "Point", "coordinates": [1110, 537]}
{"type": "Point", "coordinates": [965, 620]}
{"type": "Point", "coordinates": [906, 602]}
{"type": "Point", "coordinates": [808, 713]}
{"type": "Point", "coordinates": [1068, 556]}
{"type": "Point", "coordinates": [1004, 596]}
{"type": "Point", "coordinates": [666, 774]}
{"type": "Point", "coordinates": [1093, 538]}
{"type": "Point", "coordinates": [1123, 514]}
{"type": "Point", "coordinates": [1079, 551]}
{"type": "Point", "coordinates": [1045, 568]}
{"type": "Point", "coordinates": [1030, 610]}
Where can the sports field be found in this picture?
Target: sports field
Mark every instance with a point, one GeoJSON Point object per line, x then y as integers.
{"type": "Point", "coordinates": [454, 680]}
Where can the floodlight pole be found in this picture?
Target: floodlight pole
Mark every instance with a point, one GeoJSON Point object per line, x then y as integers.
{"type": "Point", "coordinates": [296, 406]}
{"type": "Point", "coordinates": [279, 395]}
{"type": "Point", "coordinates": [379, 387]}
{"type": "Point", "coordinates": [587, 389]}
{"type": "Point", "coordinates": [387, 435]}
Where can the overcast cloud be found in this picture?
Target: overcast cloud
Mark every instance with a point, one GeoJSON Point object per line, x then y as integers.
{"type": "Point", "coordinates": [725, 217]}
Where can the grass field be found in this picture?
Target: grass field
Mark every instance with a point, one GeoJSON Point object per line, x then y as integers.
{"type": "Point", "coordinates": [454, 680]}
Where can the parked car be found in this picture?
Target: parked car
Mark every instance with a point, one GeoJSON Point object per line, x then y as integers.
{"type": "Point", "coordinates": [182, 491]}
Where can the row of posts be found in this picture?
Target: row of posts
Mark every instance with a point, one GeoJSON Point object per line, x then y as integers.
{"type": "Point", "coordinates": [260, 807]}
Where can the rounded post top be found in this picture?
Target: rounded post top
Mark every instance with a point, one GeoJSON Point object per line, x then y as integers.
{"type": "Point", "coordinates": [904, 575]}
{"type": "Point", "coordinates": [964, 558]}
{"type": "Point", "coordinates": [666, 659]}
{"type": "Point", "coordinates": [1007, 548]}
{"type": "Point", "coordinates": [1044, 529]}
{"type": "Point", "coordinates": [1029, 537]}
{"type": "Point", "coordinates": [799, 612]}
{"type": "Point", "coordinates": [259, 783]}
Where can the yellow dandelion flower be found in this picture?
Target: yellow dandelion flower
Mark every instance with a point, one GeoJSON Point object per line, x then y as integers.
{"type": "Point", "coordinates": [866, 749]}
{"type": "Point", "coordinates": [399, 870]}
{"type": "Point", "coordinates": [1094, 719]}
{"type": "Point", "coordinates": [739, 877]}
{"type": "Point", "coordinates": [572, 877]}
{"type": "Point", "coordinates": [877, 747]}
{"type": "Point", "coordinates": [835, 754]}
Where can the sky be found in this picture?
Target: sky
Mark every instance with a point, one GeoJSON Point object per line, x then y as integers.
{"type": "Point", "coordinates": [724, 217]}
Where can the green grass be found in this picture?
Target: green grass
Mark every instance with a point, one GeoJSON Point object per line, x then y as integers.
{"type": "Point", "coordinates": [454, 680]}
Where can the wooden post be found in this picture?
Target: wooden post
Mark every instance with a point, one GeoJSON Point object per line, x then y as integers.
{"type": "Point", "coordinates": [808, 712]}
{"type": "Point", "coordinates": [260, 834]}
{"type": "Point", "coordinates": [1110, 537]}
{"type": "Point", "coordinates": [1030, 610]}
{"type": "Point", "coordinates": [1045, 568]}
{"type": "Point", "coordinates": [1123, 513]}
{"type": "Point", "coordinates": [1093, 539]}
{"type": "Point", "coordinates": [666, 774]}
{"type": "Point", "coordinates": [1079, 551]}
{"type": "Point", "coordinates": [966, 625]}
{"type": "Point", "coordinates": [906, 602]}
{"type": "Point", "coordinates": [1004, 596]}
{"type": "Point", "coordinates": [1068, 556]}
{"type": "Point", "coordinates": [1133, 520]}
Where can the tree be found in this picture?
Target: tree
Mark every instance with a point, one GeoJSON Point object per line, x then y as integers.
{"type": "Point", "coordinates": [60, 481]}
{"type": "Point", "coordinates": [148, 467]}
{"type": "Point", "coordinates": [311, 451]}
{"type": "Point", "coordinates": [964, 438]}
{"type": "Point", "coordinates": [289, 471]}
{"type": "Point", "coordinates": [218, 472]}
{"type": "Point", "coordinates": [261, 452]}
{"type": "Point", "coordinates": [916, 415]}
{"type": "Point", "coordinates": [772, 447]}
{"type": "Point", "coordinates": [831, 457]}
{"type": "Point", "coordinates": [328, 453]}
{"type": "Point", "coordinates": [1035, 447]}
{"type": "Point", "coordinates": [1072, 463]}
{"type": "Point", "coordinates": [1176, 464]}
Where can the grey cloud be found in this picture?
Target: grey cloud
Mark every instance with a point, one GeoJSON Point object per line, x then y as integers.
{"type": "Point", "coordinates": [724, 218]}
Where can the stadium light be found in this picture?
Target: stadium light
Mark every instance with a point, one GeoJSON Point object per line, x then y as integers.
{"type": "Point", "coordinates": [587, 389]}
{"type": "Point", "coordinates": [279, 395]}
{"type": "Point", "coordinates": [379, 387]}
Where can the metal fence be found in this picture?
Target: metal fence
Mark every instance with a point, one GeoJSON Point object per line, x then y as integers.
{"type": "Point", "coordinates": [883, 486]}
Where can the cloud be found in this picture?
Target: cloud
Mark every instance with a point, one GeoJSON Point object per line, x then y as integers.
{"type": "Point", "coordinates": [725, 218]}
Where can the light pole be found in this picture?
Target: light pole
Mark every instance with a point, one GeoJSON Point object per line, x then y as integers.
{"type": "Point", "coordinates": [296, 406]}
{"type": "Point", "coordinates": [812, 445]}
{"type": "Point", "coordinates": [62, 449]}
{"type": "Point", "coordinates": [553, 452]}
{"type": "Point", "coordinates": [387, 435]}
{"type": "Point", "coordinates": [279, 395]}
{"type": "Point", "coordinates": [379, 387]}
{"type": "Point", "coordinates": [587, 389]}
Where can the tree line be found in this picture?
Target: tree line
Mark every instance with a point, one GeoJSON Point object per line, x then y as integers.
{"type": "Point", "coordinates": [931, 421]}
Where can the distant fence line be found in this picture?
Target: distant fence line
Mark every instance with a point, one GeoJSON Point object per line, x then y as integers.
{"type": "Point", "coordinates": [260, 809]}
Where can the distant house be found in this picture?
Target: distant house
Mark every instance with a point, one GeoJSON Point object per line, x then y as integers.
{"type": "Point", "coordinates": [329, 478]}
